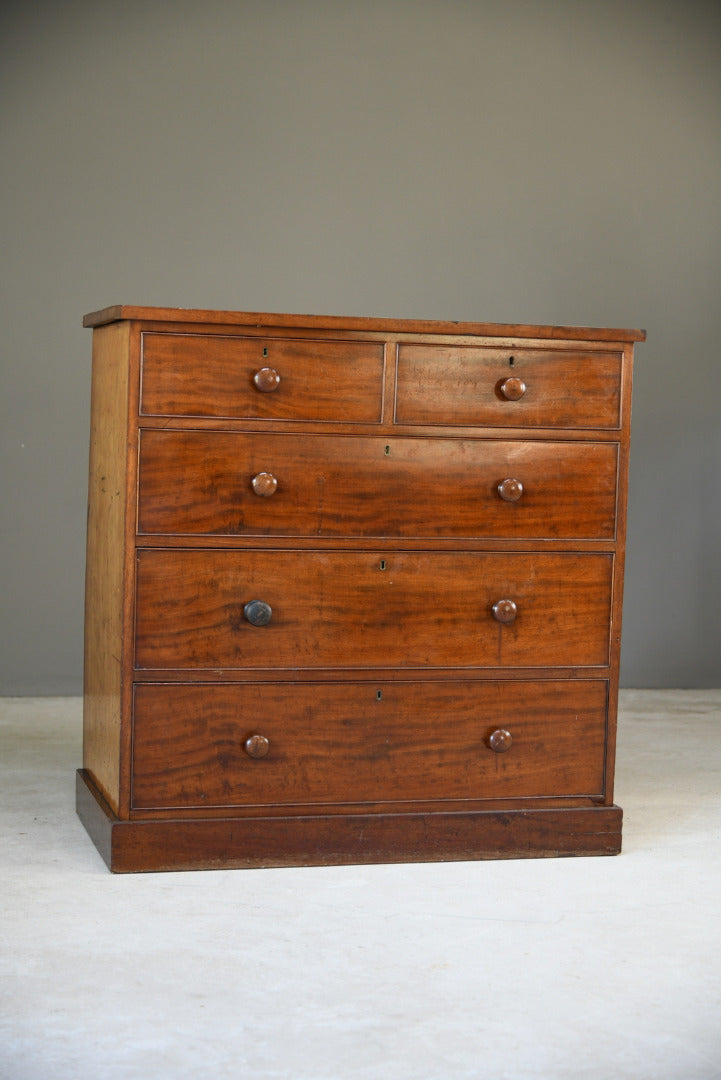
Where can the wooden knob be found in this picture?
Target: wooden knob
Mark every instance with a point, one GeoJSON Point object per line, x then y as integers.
{"type": "Point", "coordinates": [500, 740]}
{"type": "Point", "coordinates": [266, 380]}
{"type": "Point", "coordinates": [504, 611]}
{"type": "Point", "coordinates": [256, 746]}
{"type": "Point", "coordinates": [257, 612]}
{"type": "Point", "coordinates": [264, 484]}
{"type": "Point", "coordinates": [510, 489]}
{"type": "Point", "coordinates": [512, 389]}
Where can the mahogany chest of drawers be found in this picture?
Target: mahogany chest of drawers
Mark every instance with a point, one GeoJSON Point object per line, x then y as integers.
{"type": "Point", "coordinates": [353, 589]}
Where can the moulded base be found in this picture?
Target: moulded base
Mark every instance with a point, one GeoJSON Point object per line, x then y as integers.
{"type": "Point", "coordinates": [337, 839]}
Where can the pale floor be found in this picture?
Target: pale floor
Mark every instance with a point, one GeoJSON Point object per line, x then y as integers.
{"type": "Point", "coordinates": [586, 969]}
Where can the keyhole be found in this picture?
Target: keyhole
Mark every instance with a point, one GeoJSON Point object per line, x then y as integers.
{"type": "Point", "coordinates": [387, 451]}
{"type": "Point", "coordinates": [379, 695]}
{"type": "Point", "coordinates": [265, 350]}
{"type": "Point", "coordinates": [383, 564]}
{"type": "Point", "coordinates": [511, 361]}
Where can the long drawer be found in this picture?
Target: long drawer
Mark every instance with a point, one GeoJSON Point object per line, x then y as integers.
{"type": "Point", "coordinates": [194, 482]}
{"type": "Point", "coordinates": [331, 743]}
{"type": "Point", "coordinates": [446, 384]}
{"type": "Point", "coordinates": [262, 378]}
{"type": "Point", "coordinates": [283, 609]}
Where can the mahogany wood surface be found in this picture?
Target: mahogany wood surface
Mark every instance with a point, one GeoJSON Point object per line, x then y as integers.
{"type": "Point", "coordinates": [370, 609]}
{"type": "Point", "coordinates": [450, 384]}
{"type": "Point", "coordinates": [105, 561]}
{"type": "Point", "coordinates": [199, 375]}
{"type": "Point", "coordinates": [512, 389]}
{"type": "Point", "coordinates": [326, 740]}
{"type": "Point", "coordinates": [198, 317]}
{"type": "Point", "coordinates": [205, 482]}
{"type": "Point", "coordinates": [323, 840]}
{"type": "Point", "coordinates": [354, 589]}
{"type": "Point", "coordinates": [619, 564]}
{"type": "Point", "coordinates": [267, 380]}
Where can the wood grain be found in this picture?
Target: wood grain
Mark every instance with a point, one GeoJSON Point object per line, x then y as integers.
{"type": "Point", "coordinates": [619, 567]}
{"type": "Point", "coordinates": [105, 561]}
{"type": "Point", "coordinates": [368, 325]}
{"type": "Point", "coordinates": [203, 375]}
{"type": "Point", "coordinates": [370, 609]}
{"type": "Point", "coordinates": [450, 384]}
{"type": "Point", "coordinates": [194, 482]}
{"type": "Point", "coordinates": [337, 839]}
{"type": "Point", "coordinates": [347, 599]}
{"type": "Point", "coordinates": [332, 743]}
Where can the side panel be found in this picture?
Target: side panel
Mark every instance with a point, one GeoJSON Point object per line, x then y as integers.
{"type": "Point", "coordinates": [105, 562]}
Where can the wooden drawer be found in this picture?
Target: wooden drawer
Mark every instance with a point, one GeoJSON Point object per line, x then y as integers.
{"type": "Point", "coordinates": [355, 609]}
{"type": "Point", "coordinates": [456, 385]}
{"type": "Point", "coordinates": [194, 482]}
{"type": "Point", "coordinates": [215, 375]}
{"type": "Point", "coordinates": [334, 743]}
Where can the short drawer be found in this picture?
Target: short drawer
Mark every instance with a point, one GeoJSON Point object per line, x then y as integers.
{"type": "Point", "coordinates": [200, 746]}
{"type": "Point", "coordinates": [195, 482]}
{"type": "Point", "coordinates": [468, 386]}
{"type": "Point", "coordinates": [262, 378]}
{"type": "Point", "coordinates": [352, 609]}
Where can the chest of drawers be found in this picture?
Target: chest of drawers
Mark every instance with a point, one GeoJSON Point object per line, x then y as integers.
{"type": "Point", "coordinates": [353, 589]}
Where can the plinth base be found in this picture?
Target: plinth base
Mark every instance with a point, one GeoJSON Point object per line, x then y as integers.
{"type": "Point", "coordinates": [338, 839]}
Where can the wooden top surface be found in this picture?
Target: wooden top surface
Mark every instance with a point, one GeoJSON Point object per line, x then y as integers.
{"type": "Point", "coordinates": [120, 312]}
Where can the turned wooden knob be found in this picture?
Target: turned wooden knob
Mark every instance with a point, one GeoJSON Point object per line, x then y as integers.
{"type": "Point", "coordinates": [510, 489]}
{"type": "Point", "coordinates": [504, 611]}
{"type": "Point", "coordinates": [264, 483]}
{"type": "Point", "coordinates": [512, 389]}
{"type": "Point", "coordinates": [257, 612]}
{"type": "Point", "coordinates": [500, 740]}
{"type": "Point", "coordinates": [256, 746]}
{"type": "Point", "coordinates": [266, 380]}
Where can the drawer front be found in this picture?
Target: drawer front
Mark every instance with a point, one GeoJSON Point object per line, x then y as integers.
{"type": "Point", "coordinates": [356, 609]}
{"type": "Point", "coordinates": [542, 388]}
{"type": "Point", "coordinates": [365, 742]}
{"type": "Point", "coordinates": [262, 378]}
{"type": "Point", "coordinates": [284, 485]}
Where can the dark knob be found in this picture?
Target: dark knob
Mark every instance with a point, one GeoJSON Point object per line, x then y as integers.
{"type": "Point", "coordinates": [256, 746]}
{"type": "Point", "coordinates": [264, 484]}
{"type": "Point", "coordinates": [504, 611]}
{"type": "Point", "coordinates": [258, 612]}
{"type": "Point", "coordinates": [512, 389]}
{"type": "Point", "coordinates": [500, 740]}
{"type": "Point", "coordinates": [510, 489]}
{"type": "Point", "coordinates": [266, 380]}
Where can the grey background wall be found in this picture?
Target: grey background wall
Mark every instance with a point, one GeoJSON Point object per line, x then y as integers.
{"type": "Point", "coordinates": [548, 162]}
